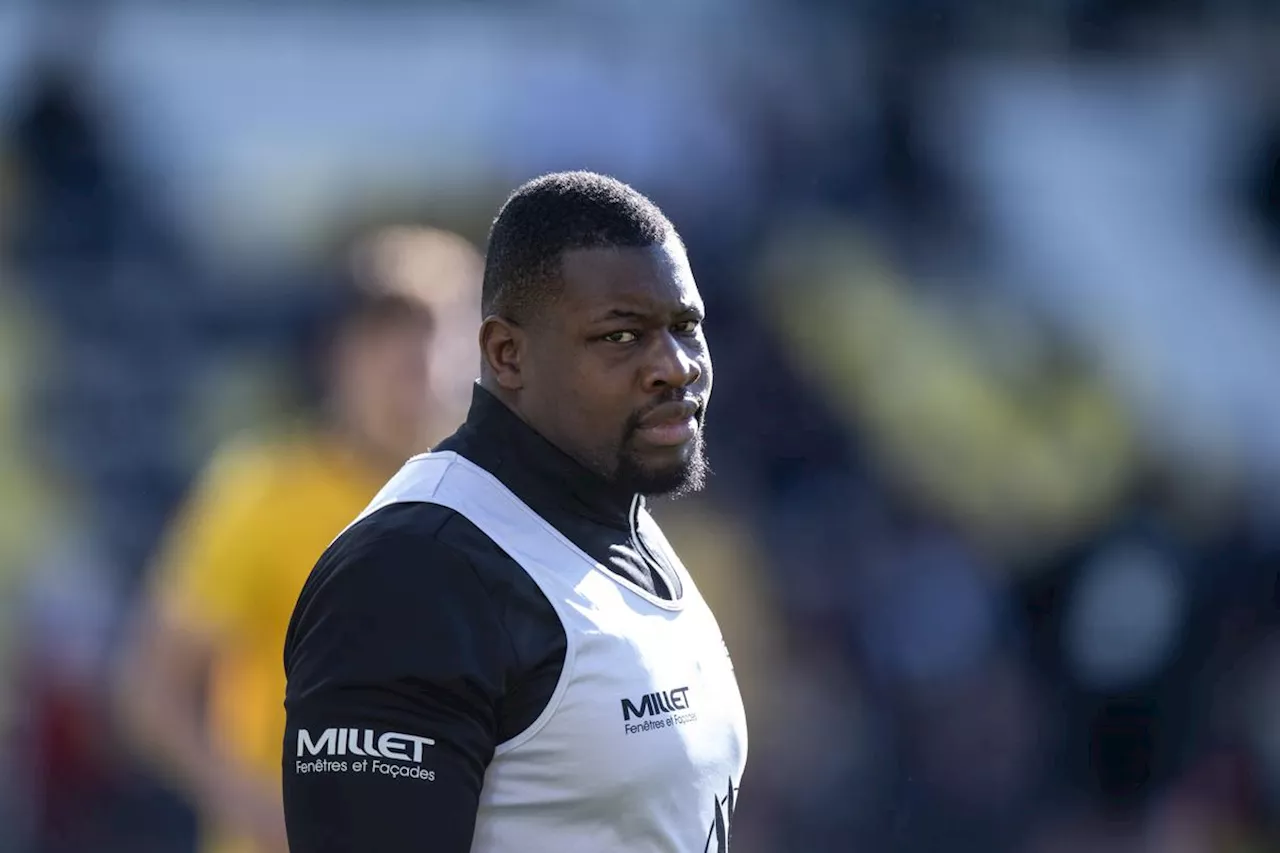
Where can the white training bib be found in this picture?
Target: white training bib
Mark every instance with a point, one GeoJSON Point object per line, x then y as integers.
{"type": "Point", "coordinates": [643, 744]}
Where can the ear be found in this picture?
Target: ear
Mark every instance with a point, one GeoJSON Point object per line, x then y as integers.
{"type": "Point", "coordinates": [502, 347]}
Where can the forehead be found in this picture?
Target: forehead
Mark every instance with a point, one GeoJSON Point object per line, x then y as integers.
{"type": "Point", "coordinates": [650, 280]}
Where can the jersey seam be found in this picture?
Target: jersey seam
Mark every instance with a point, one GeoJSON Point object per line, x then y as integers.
{"type": "Point", "coordinates": [500, 746]}
{"type": "Point", "coordinates": [557, 695]}
{"type": "Point", "coordinates": [435, 539]}
{"type": "Point", "coordinates": [488, 591]}
{"type": "Point", "coordinates": [511, 641]}
{"type": "Point", "coordinates": [570, 646]}
{"type": "Point", "coordinates": [647, 554]}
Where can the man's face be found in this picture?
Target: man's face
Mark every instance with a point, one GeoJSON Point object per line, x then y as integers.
{"type": "Point", "coordinates": [617, 371]}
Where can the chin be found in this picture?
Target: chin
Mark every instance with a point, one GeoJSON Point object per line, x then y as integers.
{"type": "Point", "coordinates": [672, 479]}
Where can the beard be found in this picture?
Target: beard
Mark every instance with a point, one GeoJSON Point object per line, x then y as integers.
{"type": "Point", "coordinates": [675, 480]}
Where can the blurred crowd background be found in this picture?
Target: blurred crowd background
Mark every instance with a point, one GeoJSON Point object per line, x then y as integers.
{"type": "Point", "coordinates": [993, 293]}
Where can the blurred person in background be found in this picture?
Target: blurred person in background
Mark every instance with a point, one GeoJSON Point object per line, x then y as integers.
{"type": "Point", "coordinates": [217, 604]}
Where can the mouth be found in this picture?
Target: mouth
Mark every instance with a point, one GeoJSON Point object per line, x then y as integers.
{"type": "Point", "coordinates": [670, 424]}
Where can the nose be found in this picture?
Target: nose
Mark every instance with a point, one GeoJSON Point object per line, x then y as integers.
{"type": "Point", "coordinates": [672, 366]}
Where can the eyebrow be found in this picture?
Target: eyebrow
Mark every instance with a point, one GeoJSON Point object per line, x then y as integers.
{"type": "Point", "coordinates": [624, 314]}
{"type": "Point", "coordinates": [634, 315]}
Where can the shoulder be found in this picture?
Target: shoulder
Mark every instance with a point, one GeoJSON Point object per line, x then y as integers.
{"type": "Point", "coordinates": [416, 543]}
{"type": "Point", "coordinates": [404, 547]}
{"type": "Point", "coordinates": [423, 564]}
{"type": "Point", "coordinates": [416, 590]}
{"type": "Point", "coordinates": [391, 596]}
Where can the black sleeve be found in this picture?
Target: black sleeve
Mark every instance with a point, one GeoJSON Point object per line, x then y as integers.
{"type": "Point", "coordinates": [396, 659]}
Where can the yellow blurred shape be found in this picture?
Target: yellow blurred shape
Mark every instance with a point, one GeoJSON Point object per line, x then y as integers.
{"type": "Point", "coordinates": [445, 271]}
{"type": "Point", "coordinates": [967, 406]}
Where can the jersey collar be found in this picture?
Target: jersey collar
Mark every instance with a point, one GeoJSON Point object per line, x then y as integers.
{"type": "Point", "coordinates": [538, 472]}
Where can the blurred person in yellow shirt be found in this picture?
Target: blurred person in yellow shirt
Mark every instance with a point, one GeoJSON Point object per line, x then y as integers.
{"type": "Point", "coordinates": [201, 684]}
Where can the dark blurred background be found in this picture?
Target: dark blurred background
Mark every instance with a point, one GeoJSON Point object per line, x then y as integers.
{"type": "Point", "coordinates": [993, 300]}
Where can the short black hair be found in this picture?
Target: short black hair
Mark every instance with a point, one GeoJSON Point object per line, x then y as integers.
{"type": "Point", "coordinates": [551, 215]}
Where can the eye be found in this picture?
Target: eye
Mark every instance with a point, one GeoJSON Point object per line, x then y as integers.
{"type": "Point", "coordinates": [688, 327]}
{"type": "Point", "coordinates": [623, 337]}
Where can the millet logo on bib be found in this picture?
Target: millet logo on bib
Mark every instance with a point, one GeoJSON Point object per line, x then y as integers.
{"type": "Point", "coordinates": [659, 710]}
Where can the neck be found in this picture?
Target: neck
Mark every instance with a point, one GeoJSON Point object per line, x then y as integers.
{"type": "Point", "coordinates": [489, 383]}
{"type": "Point", "coordinates": [513, 449]}
{"type": "Point", "coordinates": [509, 399]}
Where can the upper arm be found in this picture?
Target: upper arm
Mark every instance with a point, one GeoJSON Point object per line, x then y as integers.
{"type": "Point", "coordinates": [396, 639]}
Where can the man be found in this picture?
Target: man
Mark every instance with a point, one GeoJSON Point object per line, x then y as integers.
{"type": "Point", "coordinates": [220, 598]}
{"type": "Point", "coordinates": [503, 653]}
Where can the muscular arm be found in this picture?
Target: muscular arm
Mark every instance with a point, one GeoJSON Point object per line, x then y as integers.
{"type": "Point", "coordinates": [397, 660]}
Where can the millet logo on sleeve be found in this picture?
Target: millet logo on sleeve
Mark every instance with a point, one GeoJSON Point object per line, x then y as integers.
{"type": "Point", "coordinates": [367, 749]}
